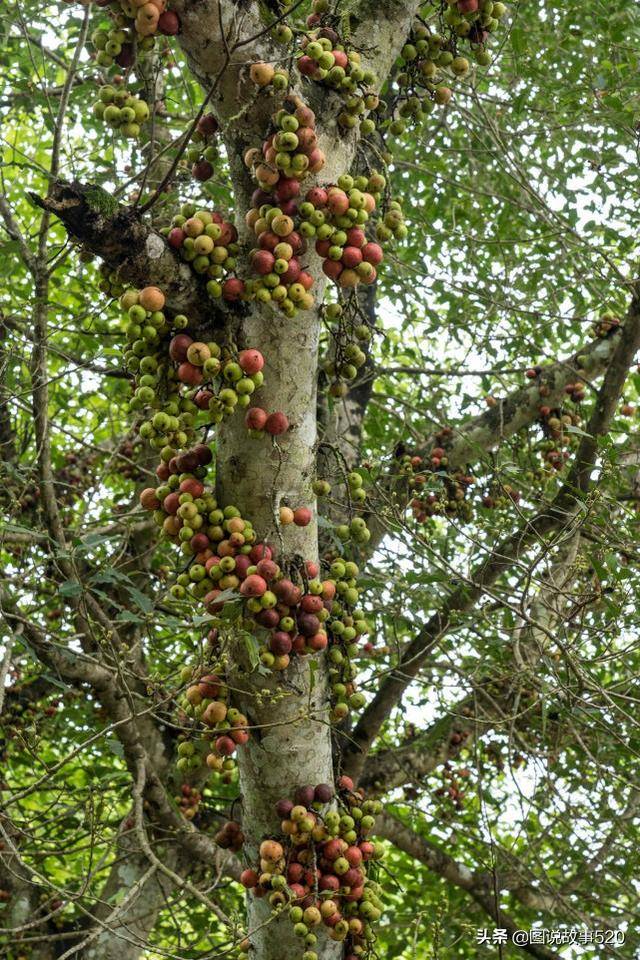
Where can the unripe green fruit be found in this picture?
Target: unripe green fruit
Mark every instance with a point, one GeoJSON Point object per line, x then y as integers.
{"type": "Point", "coordinates": [107, 93]}
{"type": "Point", "coordinates": [283, 33]}
{"type": "Point", "coordinates": [130, 130]}
{"type": "Point", "coordinates": [347, 120]}
{"type": "Point", "coordinates": [460, 66]}
{"type": "Point", "coordinates": [111, 114]}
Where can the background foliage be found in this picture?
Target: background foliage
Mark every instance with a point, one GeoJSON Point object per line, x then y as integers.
{"type": "Point", "coordinates": [521, 201]}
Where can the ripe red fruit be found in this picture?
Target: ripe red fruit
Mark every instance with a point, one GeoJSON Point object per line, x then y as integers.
{"type": "Point", "coordinates": [283, 809]}
{"type": "Point", "coordinates": [367, 850]}
{"type": "Point", "coordinates": [307, 66]}
{"type": "Point", "coordinates": [329, 882]}
{"type": "Point", "coordinates": [253, 586]}
{"type": "Point", "coordinates": [308, 624]}
{"type": "Point", "coordinates": [340, 58]}
{"type": "Point", "coordinates": [148, 499]}
{"type": "Point", "coordinates": [310, 603]}
{"type": "Point", "coordinates": [190, 374]}
{"type": "Point", "coordinates": [372, 253]}
{"type": "Point", "coordinates": [351, 256]}
{"type": "Point", "coordinates": [323, 247]}
{"type": "Point", "coordinates": [176, 237]}
{"type": "Point", "coordinates": [225, 746]}
{"type": "Point", "coordinates": [355, 894]}
{"type": "Point", "coordinates": [333, 848]}
{"type": "Point", "coordinates": [276, 424]}
{"type": "Point", "coordinates": [323, 793]}
{"type": "Point", "coordinates": [249, 879]}
{"type": "Point", "coordinates": [126, 58]}
{"type": "Point", "coordinates": [317, 196]}
{"type": "Point", "coordinates": [168, 23]}
{"type": "Point", "coordinates": [210, 601]}
{"type": "Point", "coordinates": [304, 795]}
{"type": "Point", "coordinates": [203, 454]}
{"type": "Point", "coordinates": [260, 552]}
{"type": "Point", "coordinates": [233, 288]}
{"type": "Point", "coordinates": [287, 189]}
{"type": "Point", "coordinates": [209, 686]}
{"type": "Point", "coordinates": [202, 170]}
{"type": "Point", "coordinates": [353, 856]}
{"type": "Point", "coordinates": [305, 115]}
{"type": "Point", "coordinates": [296, 242]}
{"type": "Point", "coordinates": [198, 542]}
{"type": "Point", "coordinates": [302, 517]}
{"type": "Point", "coordinates": [229, 235]}
{"type": "Point", "coordinates": [202, 398]}
{"type": "Point", "coordinates": [171, 503]}
{"type": "Point", "coordinates": [280, 643]}
{"type": "Point", "coordinates": [208, 125]}
{"type": "Point", "coordinates": [295, 872]}
{"type": "Point", "coordinates": [319, 641]}
{"type": "Point", "coordinates": [312, 569]}
{"type": "Point", "coordinates": [332, 269]}
{"type": "Point", "coordinates": [298, 892]}
{"type": "Point", "coordinates": [337, 201]}
{"type": "Point", "coordinates": [307, 140]}
{"type": "Point", "coordinates": [356, 237]}
{"type": "Point", "coordinates": [262, 261]}
{"type": "Point", "coordinates": [179, 346]}
{"type": "Point", "coordinates": [267, 569]}
{"type": "Point", "coordinates": [300, 645]}
{"type": "Point", "coordinates": [269, 240]}
{"type": "Point", "coordinates": [328, 589]}
{"type": "Point", "coordinates": [267, 618]}
{"type": "Point", "coordinates": [255, 418]}
{"type": "Point", "coordinates": [292, 273]}
{"type": "Point", "coordinates": [352, 878]}
{"type": "Point", "coordinates": [192, 486]}
{"type": "Point", "coordinates": [287, 592]}
{"type": "Point", "coordinates": [345, 783]}
{"type": "Point", "coordinates": [251, 361]}
{"type": "Point", "coordinates": [187, 463]}
{"type": "Point", "coordinates": [305, 279]}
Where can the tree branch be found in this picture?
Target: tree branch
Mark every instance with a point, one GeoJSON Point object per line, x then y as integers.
{"type": "Point", "coordinates": [139, 254]}
{"type": "Point", "coordinates": [473, 440]}
{"type": "Point", "coordinates": [479, 887]}
{"type": "Point", "coordinates": [560, 513]}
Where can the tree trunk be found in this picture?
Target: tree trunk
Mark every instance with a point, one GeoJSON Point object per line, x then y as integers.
{"type": "Point", "coordinates": [127, 922]}
{"type": "Point", "coordinates": [291, 740]}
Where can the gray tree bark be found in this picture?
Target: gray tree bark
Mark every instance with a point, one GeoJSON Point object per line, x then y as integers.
{"type": "Point", "coordinates": [294, 745]}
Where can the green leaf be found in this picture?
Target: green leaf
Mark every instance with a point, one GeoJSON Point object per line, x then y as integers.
{"type": "Point", "coordinates": [70, 588]}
